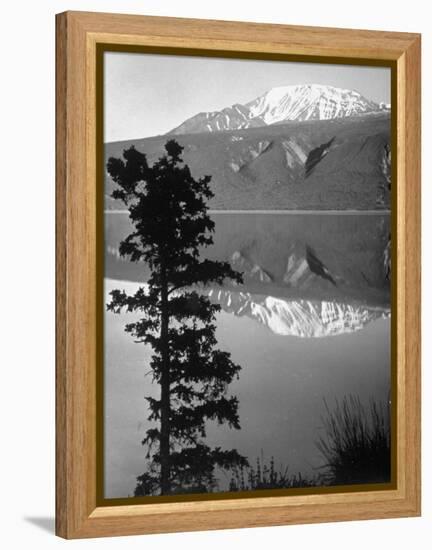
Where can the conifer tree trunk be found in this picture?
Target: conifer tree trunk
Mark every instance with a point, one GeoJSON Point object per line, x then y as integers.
{"type": "Point", "coordinates": [165, 390]}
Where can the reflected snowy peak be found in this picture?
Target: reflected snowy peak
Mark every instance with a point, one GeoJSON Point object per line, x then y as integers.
{"type": "Point", "coordinates": [301, 318]}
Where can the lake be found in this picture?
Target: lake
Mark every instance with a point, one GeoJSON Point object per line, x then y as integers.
{"type": "Point", "coordinates": [311, 322]}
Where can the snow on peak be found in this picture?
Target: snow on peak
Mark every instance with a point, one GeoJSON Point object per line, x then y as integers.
{"type": "Point", "coordinates": [308, 102]}
{"type": "Point", "coordinates": [297, 102]}
{"type": "Point", "coordinates": [301, 318]}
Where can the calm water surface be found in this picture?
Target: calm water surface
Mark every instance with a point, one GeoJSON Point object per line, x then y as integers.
{"type": "Point", "coordinates": [284, 378]}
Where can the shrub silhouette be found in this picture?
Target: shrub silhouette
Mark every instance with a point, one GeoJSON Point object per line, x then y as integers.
{"type": "Point", "coordinates": [356, 444]}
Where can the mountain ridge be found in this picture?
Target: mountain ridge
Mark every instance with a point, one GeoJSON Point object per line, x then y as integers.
{"type": "Point", "coordinates": [300, 318]}
{"type": "Point", "coordinates": [336, 164]}
{"type": "Point", "coordinates": [298, 102]}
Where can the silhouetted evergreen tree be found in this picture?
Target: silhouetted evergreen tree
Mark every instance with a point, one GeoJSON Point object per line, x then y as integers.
{"type": "Point", "coordinates": [168, 209]}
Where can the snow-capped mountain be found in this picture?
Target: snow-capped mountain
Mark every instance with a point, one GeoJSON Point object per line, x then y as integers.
{"type": "Point", "coordinates": [301, 318]}
{"type": "Point", "coordinates": [286, 317]}
{"type": "Point", "coordinates": [282, 104]}
{"type": "Point", "coordinates": [301, 295]}
{"type": "Point", "coordinates": [340, 163]}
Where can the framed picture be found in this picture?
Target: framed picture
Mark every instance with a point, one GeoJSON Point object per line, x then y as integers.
{"type": "Point", "coordinates": [238, 274]}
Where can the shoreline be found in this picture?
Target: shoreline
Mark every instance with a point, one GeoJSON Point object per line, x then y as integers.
{"type": "Point", "coordinates": [282, 212]}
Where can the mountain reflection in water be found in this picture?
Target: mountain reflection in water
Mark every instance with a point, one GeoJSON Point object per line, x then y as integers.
{"type": "Point", "coordinates": [306, 278]}
{"type": "Point", "coordinates": [302, 318]}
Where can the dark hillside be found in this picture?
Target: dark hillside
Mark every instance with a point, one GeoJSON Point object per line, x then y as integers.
{"type": "Point", "coordinates": [313, 165]}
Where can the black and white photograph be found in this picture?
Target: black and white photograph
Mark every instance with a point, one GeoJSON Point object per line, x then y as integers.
{"type": "Point", "coordinates": [247, 275]}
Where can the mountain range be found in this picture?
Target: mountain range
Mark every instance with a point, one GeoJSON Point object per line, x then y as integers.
{"type": "Point", "coordinates": [303, 275]}
{"type": "Point", "coordinates": [283, 104]}
{"type": "Point", "coordinates": [301, 318]}
{"type": "Point", "coordinates": [305, 147]}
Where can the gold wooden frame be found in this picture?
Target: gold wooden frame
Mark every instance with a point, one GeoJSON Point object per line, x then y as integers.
{"type": "Point", "coordinates": [78, 36]}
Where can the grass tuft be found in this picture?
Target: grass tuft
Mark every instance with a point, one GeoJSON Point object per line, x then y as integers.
{"type": "Point", "coordinates": [356, 444]}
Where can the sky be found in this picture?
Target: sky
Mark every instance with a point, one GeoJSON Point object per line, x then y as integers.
{"type": "Point", "coordinates": [148, 94]}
